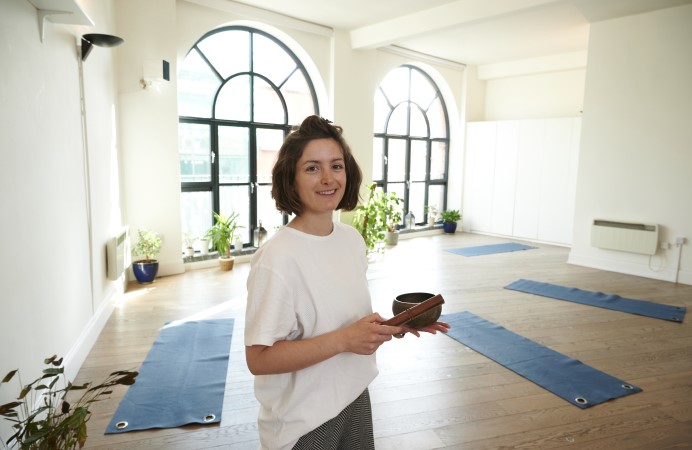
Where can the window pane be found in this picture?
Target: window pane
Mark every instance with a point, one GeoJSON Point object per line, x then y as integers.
{"type": "Point", "coordinates": [416, 200]}
{"type": "Point", "coordinates": [436, 196]}
{"type": "Point", "coordinates": [194, 145]}
{"type": "Point", "coordinates": [419, 160]}
{"type": "Point", "coordinates": [418, 125]}
{"type": "Point", "coordinates": [197, 85]}
{"type": "Point", "coordinates": [377, 158]}
{"type": "Point", "coordinates": [268, 145]}
{"type": "Point", "coordinates": [271, 60]}
{"type": "Point", "coordinates": [396, 160]}
{"type": "Point", "coordinates": [398, 122]}
{"type": "Point", "coordinates": [235, 199]}
{"type": "Point", "coordinates": [266, 211]}
{"type": "Point", "coordinates": [195, 212]}
{"type": "Point", "coordinates": [234, 163]}
{"type": "Point", "coordinates": [438, 156]}
{"type": "Point", "coordinates": [267, 104]}
{"type": "Point", "coordinates": [228, 51]}
{"type": "Point", "coordinates": [298, 98]}
{"type": "Point", "coordinates": [395, 85]}
{"type": "Point", "coordinates": [233, 102]}
{"type": "Point", "coordinates": [381, 111]}
{"type": "Point", "coordinates": [436, 116]}
{"type": "Point", "coordinates": [422, 91]}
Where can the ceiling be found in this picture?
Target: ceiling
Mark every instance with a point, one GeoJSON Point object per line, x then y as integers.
{"type": "Point", "coordinates": [473, 32]}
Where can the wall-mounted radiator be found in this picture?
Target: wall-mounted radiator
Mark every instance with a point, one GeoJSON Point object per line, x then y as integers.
{"type": "Point", "coordinates": [118, 253]}
{"type": "Point", "coordinates": [624, 236]}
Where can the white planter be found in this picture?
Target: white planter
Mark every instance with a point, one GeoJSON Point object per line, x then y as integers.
{"type": "Point", "coordinates": [204, 246]}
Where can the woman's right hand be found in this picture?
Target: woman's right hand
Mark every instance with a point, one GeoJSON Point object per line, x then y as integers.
{"type": "Point", "coordinates": [366, 335]}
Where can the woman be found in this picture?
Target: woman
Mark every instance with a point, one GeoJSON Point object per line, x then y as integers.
{"type": "Point", "coordinates": [310, 333]}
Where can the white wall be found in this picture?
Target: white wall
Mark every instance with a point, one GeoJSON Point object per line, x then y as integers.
{"type": "Point", "coordinates": [636, 156]}
{"type": "Point", "coordinates": [537, 96]}
{"type": "Point", "coordinates": [149, 127]}
{"type": "Point", "coordinates": [51, 302]}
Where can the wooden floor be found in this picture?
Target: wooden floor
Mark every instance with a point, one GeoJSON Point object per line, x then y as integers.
{"type": "Point", "coordinates": [432, 392]}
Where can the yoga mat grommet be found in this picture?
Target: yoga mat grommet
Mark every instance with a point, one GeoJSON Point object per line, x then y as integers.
{"type": "Point", "coordinates": [628, 386]}
{"type": "Point", "coordinates": [209, 418]}
{"type": "Point", "coordinates": [121, 425]}
{"type": "Point", "coordinates": [581, 401]}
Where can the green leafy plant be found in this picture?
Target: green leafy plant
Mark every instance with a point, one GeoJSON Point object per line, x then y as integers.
{"type": "Point", "coordinates": [42, 416]}
{"type": "Point", "coordinates": [148, 245]}
{"type": "Point", "coordinates": [381, 212]}
{"type": "Point", "coordinates": [222, 233]}
{"type": "Point", "coordinates": [450, 216]}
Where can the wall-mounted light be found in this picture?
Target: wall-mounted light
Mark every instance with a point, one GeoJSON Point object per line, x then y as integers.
{"type": "Point", "coordinates": [99, 40]}
{"type": "Point", "coordinates": [154, 72]}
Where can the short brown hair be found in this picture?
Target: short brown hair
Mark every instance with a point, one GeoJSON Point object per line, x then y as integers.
{"type": "Point", "coordinates": [284, 171]}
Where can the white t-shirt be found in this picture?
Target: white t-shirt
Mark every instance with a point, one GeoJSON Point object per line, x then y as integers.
{"type": "Point", "coordinates": [301, 286]}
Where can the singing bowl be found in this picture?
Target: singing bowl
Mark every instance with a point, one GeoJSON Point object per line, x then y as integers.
{"type": "Point", "coordinates": [408, 300]}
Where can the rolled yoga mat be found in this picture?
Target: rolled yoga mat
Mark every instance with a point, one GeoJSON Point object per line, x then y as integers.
{"type": "Point", "coordinates": [182, 379]}
{"type": "Point", "coordinates": [574, 381]}
{"type": "Point", "coordinates": [601, 300]}
{"type": "Point", "coordinates": [490, 249]}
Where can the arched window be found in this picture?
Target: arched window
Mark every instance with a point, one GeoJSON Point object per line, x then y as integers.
{"type": "Point", "coordinates": [411, 143]}
{"type": "Point", "coordinates": [239, 92]}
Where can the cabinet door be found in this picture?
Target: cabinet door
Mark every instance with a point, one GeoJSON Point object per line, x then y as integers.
{"type": "Point", "coordinates": [504, 185]}
{"type": "Point", "coordinates": [528, 184]}
{"type": "Point", "coordinates": [556, 194]}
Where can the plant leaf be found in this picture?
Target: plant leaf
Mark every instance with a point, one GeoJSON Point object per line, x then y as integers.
{"type": "Point", "coordinates": [9, 376]}
{"type": "Point", "coordinates": [4, 409]}
{"type": "Point", "coordinates": [24, 392]}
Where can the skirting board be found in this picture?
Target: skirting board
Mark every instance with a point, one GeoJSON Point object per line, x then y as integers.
{"type": "Point", "coordinates": [76, 356]}
{"type": "Point", "coordinates": [640, 270]}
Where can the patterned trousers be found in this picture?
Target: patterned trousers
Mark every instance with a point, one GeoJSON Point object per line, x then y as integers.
{"type": "Point", "coordinates": [350, 430]}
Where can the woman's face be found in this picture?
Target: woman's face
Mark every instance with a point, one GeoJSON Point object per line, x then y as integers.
{"type": "Point", "coordinates": [321, 176]}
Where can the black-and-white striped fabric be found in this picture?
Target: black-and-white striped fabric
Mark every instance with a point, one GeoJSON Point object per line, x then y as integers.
{"type": "Point", "coordinates": [350, 430]}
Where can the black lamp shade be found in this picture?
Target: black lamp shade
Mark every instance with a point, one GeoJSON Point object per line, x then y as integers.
{"type": "Point", "coordinates": [100, 40]}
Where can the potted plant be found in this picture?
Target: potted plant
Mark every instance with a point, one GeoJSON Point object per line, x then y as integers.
{"type": "Point", "coordinates": [432, 213]}
{"type": "Point", "coordinates": [54, 422]}
{"type": "Point", "coordinates": [450, 218]}
{"type": "Point", "coordinates": [377, 217]}
{"type": "Point", "coordinates": [147, 247]}
{"type": "Point", "coordinates": [392, 214]}
{"type": "Point", "coordinates": [221, 235]}
{"type": "Point", "coordinates": [189, 243]}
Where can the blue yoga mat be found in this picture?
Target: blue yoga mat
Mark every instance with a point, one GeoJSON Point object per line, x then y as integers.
{"type": "Point", "coordinates": [608, 301]}
{"type": "Point", "coordinates": [565, 377]}
{"type": "Point", "coordinates": [182, 379]}
{"type": "Point", "coordinates": [490, 249]}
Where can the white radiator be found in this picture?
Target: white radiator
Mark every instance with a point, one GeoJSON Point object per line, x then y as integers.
{"type": "Point", "coordinates": [624, 236]}
{"type": "Point", "coordinates": [118, 254]}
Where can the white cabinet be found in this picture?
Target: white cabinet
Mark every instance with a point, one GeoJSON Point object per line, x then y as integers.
{"type": "Point", "coordinates": [521, 178]}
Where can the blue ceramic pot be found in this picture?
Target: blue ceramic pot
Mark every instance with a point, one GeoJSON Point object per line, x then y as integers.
{"type": "Point", "coordinates": [449, 227]}
{"type": "Point", "coordinates": [145, 272]}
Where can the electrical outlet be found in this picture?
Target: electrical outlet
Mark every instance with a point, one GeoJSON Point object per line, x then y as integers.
{"type": "Point", "coordinates": [679, 240]}
{"type": "Point", "coordinates": [665, 245]}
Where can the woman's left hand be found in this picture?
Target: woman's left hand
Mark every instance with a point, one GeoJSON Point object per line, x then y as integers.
{"type": "Point", "coordinates": [432, 329]}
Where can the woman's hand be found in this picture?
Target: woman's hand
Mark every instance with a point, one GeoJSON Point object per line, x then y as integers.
{"type": "Point", "coordinates": [366, 335]}
{"type": "Point", "coordinates": [432, 329]}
